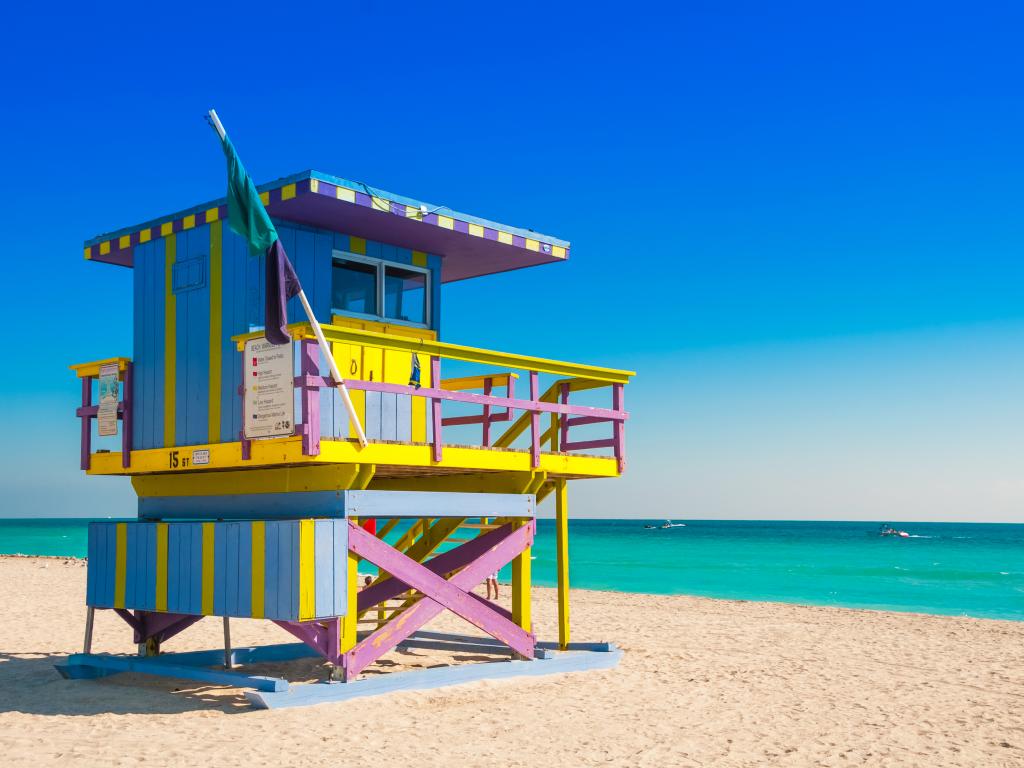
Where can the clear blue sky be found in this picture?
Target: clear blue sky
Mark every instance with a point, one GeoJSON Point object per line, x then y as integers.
{"type": "Point", "coordinates": [802, 225]}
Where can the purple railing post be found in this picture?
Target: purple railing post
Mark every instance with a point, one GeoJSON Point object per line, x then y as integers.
{"type": "Point", "coordinates": [534, 422]}
{"type": "Point", "coordinates": [488, 384]}
{"type": "Point", "coordinates": [563, 432]}
{"type": "Point", "coordinates": [126, 418]}
{"type": "Point", "coordinates": [309, 365]}
{"type": "Point", "coordinates": [435, 404]}
{"type": "Point", "coordinates": [86, 426]}
{"type": "Point", "coordinates": [618, 428]}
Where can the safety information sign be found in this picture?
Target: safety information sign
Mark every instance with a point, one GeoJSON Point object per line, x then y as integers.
{"type": "Point", "coordinates": [269, 409]}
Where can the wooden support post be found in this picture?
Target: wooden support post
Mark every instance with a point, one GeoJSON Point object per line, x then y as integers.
{"type": "Point", "coordinates": [90, 615]}
{"type": "Point", "coordinates": [349, 623]}
{"type": "Point", "coordinates": [534, 421]}
{"type": "Point", "coordinates": [521, 587]}
{"type": "Point", "coordinates": [435, 407]}
{"type": "Point", "coordinates": [562, 546]}
{"type": "Point", "coordinates": [227, 643]}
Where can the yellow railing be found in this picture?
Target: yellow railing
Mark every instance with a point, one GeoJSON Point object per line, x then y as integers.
{"type": "Point", "coordinates": [553, 403]}
{"type": "Point", "coordinates": [429, 347]}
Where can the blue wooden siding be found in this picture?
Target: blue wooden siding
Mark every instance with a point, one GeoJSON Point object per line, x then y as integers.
{"type": "Point", "coordinates": [192, 358]}
{"type": "Point", "coordinates": [232, 567]}
{"type": "Point", "coordinates": [330, 541]}
{"type": "Point", "coordinates": [148, 354]}
{"type": "Point", "coordinates": [242, 302]}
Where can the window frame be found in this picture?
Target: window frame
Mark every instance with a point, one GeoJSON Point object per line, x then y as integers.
{"type": "Point", "coordinates": [380, 265]}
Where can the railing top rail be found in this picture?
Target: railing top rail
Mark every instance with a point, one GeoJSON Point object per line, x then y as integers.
{"type": "Point", "coordinates": [430, 347]}
{"type": "Point", "coordinates": [93, 368]}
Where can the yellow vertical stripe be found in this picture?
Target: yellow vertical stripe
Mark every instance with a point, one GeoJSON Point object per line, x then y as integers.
{"type": "Point", "coordinates": [350, 619]}
{"type": "Point", "coordinates": [170, 333]}
{"type": "Point", "coordinates": [120, 564]}
{"type": "Point", "coordinates": [208, 560]}
{"type": "Point", "coordinates": [521, 578]}
{"type": "Point", "coordinates": [307, 571]}
{"type": "Point", "coordinates": [161, 566]}
{"type": "Point", "coordinates": [420, 405]}
{"type": "Point", "coordinates": [215, 331]}
{"type": "Point", "coordinates": [258, 565]}
{"type": "Point", "coordinates": [562, 547]}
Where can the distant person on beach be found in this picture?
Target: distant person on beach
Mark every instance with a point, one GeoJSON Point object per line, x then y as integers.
{"type": "Point", "coordinates": [492, 581]}
{"type": "Point", "coordinates": [367, 581]}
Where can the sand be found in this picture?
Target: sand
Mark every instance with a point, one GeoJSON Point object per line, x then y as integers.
{"type": "Point", "coordinates": [703, 682]}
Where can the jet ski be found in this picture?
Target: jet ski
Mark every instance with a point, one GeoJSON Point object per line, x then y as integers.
{"type": "Point", "coordinates": [888, 530]}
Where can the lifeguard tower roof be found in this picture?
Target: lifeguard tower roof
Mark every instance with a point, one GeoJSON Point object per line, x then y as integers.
{"type": "Point", "coordinates": [469, 246]}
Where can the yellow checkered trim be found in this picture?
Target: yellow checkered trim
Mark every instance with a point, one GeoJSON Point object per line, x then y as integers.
{"type": "Point", "coordinates": [289, 191]}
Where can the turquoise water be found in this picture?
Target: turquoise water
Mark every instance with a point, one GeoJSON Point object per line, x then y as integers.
{"type": "Point", "coordinates": [958, 569]}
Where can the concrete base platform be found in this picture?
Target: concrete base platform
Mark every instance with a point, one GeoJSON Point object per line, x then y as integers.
{"type": "Point", "coordinates": [274, 692]}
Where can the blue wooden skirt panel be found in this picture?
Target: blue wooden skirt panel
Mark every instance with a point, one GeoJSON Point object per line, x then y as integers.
{"type": "Point", "coordinates": [290, 570]}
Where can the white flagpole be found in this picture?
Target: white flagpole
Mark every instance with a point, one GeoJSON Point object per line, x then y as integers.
{"type": "Point", "coordinates": [324, 346]}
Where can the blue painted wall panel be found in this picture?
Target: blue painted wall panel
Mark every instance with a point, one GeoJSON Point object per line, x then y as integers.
{"type": "Point", "coordinates": [243, 602]}
{"type": "Point", "coordinates": [195, 567]}
{"type": "Point", "coordinates": [232, 567]}
{"type": "Point", "coordinates": [92, 563]}
{"type": "Point", "coordinates": [150, 583]}
{"type": "Point", "coordinates": [131, 563]}
{"type": "Point", "coordinates": [192, 355]}
{"type": "Point", "coordinates": [220, 568]}
{"type": "Point", "coordinates": [373, 410]}
{"type": "Point", "coordinates": [271, 570]}
{"type": "Point", "coordinates": [389, 417]}
{"type": "Point", "coordinates": [403, 416]}
{"type": "Point", "coordinates": [323, 545]}
{"type": "Point", "coordinates": [293, 581]}
{"type": "Point", "coordinates": [340, 556]}
{"type": "Point", "coordinates": [242, 307]}
{"type": "Point", "coordinates": [174, 535]}
{"type": "Point", "coordinates": [111, 574]}
{"type": "Point", "coordinates": [148, 344]}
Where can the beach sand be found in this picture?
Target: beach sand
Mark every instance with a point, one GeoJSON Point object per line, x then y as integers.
{"type": "Point", "coordinates": [703, 682]}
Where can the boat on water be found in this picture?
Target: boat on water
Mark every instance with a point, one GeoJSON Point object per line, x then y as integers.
{"type": "Point", "coordinates": [888, 530]}
{"type": "Point", "coordinates": [666, 524]}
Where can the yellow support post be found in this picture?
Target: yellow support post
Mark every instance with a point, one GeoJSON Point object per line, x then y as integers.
{"type": "Point", "coordinates": [521, 588]}
{"type": "Point", "coordinates": [350, 620]}
{"type": "Point", "coordinates": [562, 546]}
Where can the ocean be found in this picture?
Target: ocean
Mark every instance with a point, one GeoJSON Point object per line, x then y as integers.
{"type": "Point", "coordinates": [943, 568]}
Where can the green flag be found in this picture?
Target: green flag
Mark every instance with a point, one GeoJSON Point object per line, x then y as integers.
{"type": "Point", "coordinates": [246, 214]}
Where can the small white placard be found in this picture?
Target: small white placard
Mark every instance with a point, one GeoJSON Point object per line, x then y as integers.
{"type": "Point", "coordinates": [200, 457]}
{"type": "Point", "coordinates": [106, 415]}
{"type": "Point", "coordinates": [269, 390]}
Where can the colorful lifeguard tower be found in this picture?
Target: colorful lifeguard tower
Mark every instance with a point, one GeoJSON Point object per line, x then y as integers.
{"type": "Point", "coordinates": [254, 498]}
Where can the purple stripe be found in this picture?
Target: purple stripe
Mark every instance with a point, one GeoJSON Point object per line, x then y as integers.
{"type": "Point", "coordinates": [490, 234]}
{"type": "Point", "coordinates": [583, 445]}
{"type": "Point", "coordinates": [501, 402]}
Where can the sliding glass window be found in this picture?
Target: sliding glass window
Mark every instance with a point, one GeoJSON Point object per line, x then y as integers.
{"type": "Point", "coordinates": [380, 290]}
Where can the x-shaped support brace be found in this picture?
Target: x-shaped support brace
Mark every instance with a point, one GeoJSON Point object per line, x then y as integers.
{"type": "Point", "coordinates": [496, 549]}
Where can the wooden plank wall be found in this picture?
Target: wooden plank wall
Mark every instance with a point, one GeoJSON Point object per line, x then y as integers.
{"type": "Point", "coordinates": [291, 570]}
{"type": "Point", "coordinates": [199, 285]}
